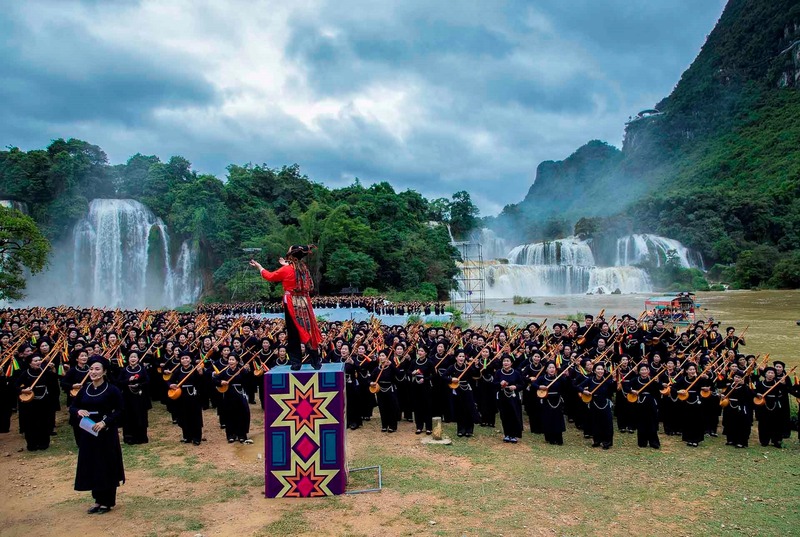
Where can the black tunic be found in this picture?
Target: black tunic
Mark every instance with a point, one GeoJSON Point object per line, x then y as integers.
{"type": "Point", "coordinates": [508, 402]}
{"type": "Point", "coordinates": [99, 457]}
{"type": "Point", "coordinates": [134, 383]}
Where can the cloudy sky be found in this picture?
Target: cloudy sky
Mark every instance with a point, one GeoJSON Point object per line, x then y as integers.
{"type": "Point", "coordinates": [437, 96]}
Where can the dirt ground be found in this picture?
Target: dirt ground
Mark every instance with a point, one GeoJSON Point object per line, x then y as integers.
{"type": "Point", "coordinates": [476, 487]}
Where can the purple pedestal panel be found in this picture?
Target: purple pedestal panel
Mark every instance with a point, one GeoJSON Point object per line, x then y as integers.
{"type": "Point", "coordinates": [304, 421]}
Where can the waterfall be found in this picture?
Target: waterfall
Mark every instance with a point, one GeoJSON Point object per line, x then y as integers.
{"type": "Point", "coordinates": [570, 252]}
{"type": "Point", "coordinates": [119, 255]}
{"type": "Point", "coordinates": [639, 248]}
{"type": "Point", "coordinates": [626, 279]}
{"type": "Point", "coordinates": [492, 246]}
{"type": "Point", "coordinates": [450, 234]}
{"type": "Point", "coordinates": [21, 206]}
{"type": "Point", "coordinates": [115, 237]}
{"type": "Point", "coordinates": [505, 281]}
{"type": "Point", "coordinates": [187, 276]}
{"type": "Point", "coordinates": [559, 267]}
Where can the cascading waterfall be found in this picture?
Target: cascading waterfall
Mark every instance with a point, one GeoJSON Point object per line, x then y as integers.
{"type": "Point", "coordinates": [492, 246]}
{"type": "Point", "coordinates": [14, 204]}
{"type": "Point", "coordinates": [115, 237]}
{"type": "Point", "coordinates": [187, 275]}
{"type": "Point", "coordinates": [570, 252]}
{"type": "Point", "coordinates": [560, 267]}
{"type": "Point", "coordinates": [119, 256]}
{"type": "Point", "coordinates": [641, 248]}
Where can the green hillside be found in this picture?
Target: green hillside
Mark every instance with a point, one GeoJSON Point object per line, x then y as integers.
{"type": "Point", "coordinates": [718, 167]}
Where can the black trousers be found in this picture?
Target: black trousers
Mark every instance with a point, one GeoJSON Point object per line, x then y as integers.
{"type": "Point", "coordinates": [292, 338]}
{"type": "Point", "coordinates": [105, 497]}
{"type": "Point", "coordinates": [602, 421]}
{"type": "Point", "coordinates": [646, 414]}
{"type": "Point", "coordinates": [421, 401]}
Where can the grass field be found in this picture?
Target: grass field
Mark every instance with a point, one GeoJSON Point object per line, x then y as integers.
{"type": "Point", "coordinates": [478, 486]}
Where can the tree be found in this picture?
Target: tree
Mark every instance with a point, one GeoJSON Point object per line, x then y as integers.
{"type": "Point", "coordinates": [463, 214]}
{"type": "Point", "coordinates": [754, 267]}
{"type": "Point", "coordinates": [22, 246]}
{"type": "Point", "coordinates": [346, 267]}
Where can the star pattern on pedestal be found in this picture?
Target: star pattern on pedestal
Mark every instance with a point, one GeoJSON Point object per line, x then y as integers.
{"type": "Point", "coordinates": [305, 479]}
{"type": "Point", "coordinates": [304, 408]}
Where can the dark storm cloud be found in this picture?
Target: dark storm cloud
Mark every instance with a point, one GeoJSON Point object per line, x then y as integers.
{"type": "Point", "coordinates": [65, 75]}
{"type": "Point", "coordinates": [437, 97]}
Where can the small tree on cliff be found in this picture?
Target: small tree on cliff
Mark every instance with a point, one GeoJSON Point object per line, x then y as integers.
{"type": "Point", "coordinates": [22, 246]}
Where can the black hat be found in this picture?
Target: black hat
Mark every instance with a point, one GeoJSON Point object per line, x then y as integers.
{"type": "Point", "coordinates": [98, 359]}
{"type": "Point", "coordinates": [75, 353]}
{"type": "Point", "coordinates": [534, 325]}
{"type": "Point", "coordinates": [729, 329]}
{"type": "Point", "coordinates": [500, 326]}
{"type": "Point", "coordinates": [779, 363]}
{"type": "Point", "coordinates": [668, 360]}
{"type": "Point", "coordinates": [770, 368]}
{"type": "Point", "coordinates": [738, 373]}
{"type": "Point", "coordinates": [299, 251]}
{"type": "Point", "coordinates": [588, 316]}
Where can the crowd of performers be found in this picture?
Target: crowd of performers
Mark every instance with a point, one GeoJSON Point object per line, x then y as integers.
{"type": "Point", "coordinates": [643, 373]}
{"type": "Point", "coordinates": [378, 305]}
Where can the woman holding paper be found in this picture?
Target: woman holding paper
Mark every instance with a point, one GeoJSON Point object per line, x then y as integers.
{"type": "Point", "coordinates": [98, 406]}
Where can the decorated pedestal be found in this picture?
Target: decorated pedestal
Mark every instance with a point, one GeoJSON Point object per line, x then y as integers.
{"type": "Point", "coordinates": [304, 420]}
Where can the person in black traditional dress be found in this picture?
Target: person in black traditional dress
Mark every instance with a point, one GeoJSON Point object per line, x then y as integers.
{"type": "Point", "coordinates": [383, 377]}
{"type": "Point", "coordinates": [100, 467]}
{"type": "Point", "coordinates": [465, 374]}
{"type": "Point", "coordinates": [770, 426]}
{"type": "Point", "coordinates": [404, 398]}
{"type": "Point", "coordinates": [531, 371]}
{"type": "Point", "coordinates": [646, 407]}
{"type": "Point", "coordinates": [690, 413]}
{"type": "Point", "coordinates": [235, 407]}
{"type": "Point", "coordinates": [668, 411]}
{"type": "Point", "coordinates": [487, 389]}
{"type": "Point", "coordinates": [737, 416]}
{"type": "Point", "coordinates": [624, 409]}
{"type": "Point", "coordinates": [600, 412]}
{"type": "Point", "coordinates": [134, 381]}
{"type": "Point", "coordinates": [552, 405]}
{"type": "Point", "coordinates": [38, 415]}
{"type": "Point", "coordinates": [509, 382]}
{"type": "Point", "coordinates": [76, 374]}
{"type": "Point", "coordinates": [441, 404]}
{"type": "Point", "coordinates": [351, 390]}
{"type": "Point", "coordinates": [784, 411]}
{"type": "Point", "coordinates": [188, 407]}
{"type": "Point", "coordinates": [421, 370]}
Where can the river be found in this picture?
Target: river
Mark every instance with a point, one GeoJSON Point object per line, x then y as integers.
{"type": "Point", "coordinates": [770, 315]}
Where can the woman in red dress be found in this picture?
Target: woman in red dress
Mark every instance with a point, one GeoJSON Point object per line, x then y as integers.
{"type": "Point", "coordinates": [301, 324]}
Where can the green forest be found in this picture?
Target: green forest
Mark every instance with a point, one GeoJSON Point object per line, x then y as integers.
{"type": "Point", "coordinates": [367, 237]}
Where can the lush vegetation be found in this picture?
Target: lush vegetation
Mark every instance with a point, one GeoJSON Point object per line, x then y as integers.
{"type": "Point", "coordinates": [366, 236]}
{"type": "Point", "coordinates": [22, 246]}
{"type": "Point", "coordinates": [717, 169]}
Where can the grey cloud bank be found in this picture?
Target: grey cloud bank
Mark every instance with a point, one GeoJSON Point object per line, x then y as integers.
{"type": "Point", "coordinates": [437, 97]}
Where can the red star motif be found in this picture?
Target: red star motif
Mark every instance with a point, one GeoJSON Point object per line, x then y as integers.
{"type": "Point", "coordinates": [305, 484]}
{"type": "Point", "coordinates": [304, 408]}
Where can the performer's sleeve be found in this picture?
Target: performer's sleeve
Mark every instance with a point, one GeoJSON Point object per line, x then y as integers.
{"type": "Point", "coordinates": [277, 276]}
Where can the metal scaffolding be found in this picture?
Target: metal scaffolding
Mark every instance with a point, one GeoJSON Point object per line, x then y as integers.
{"type": "Point", "coordinates": [470, 293]}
